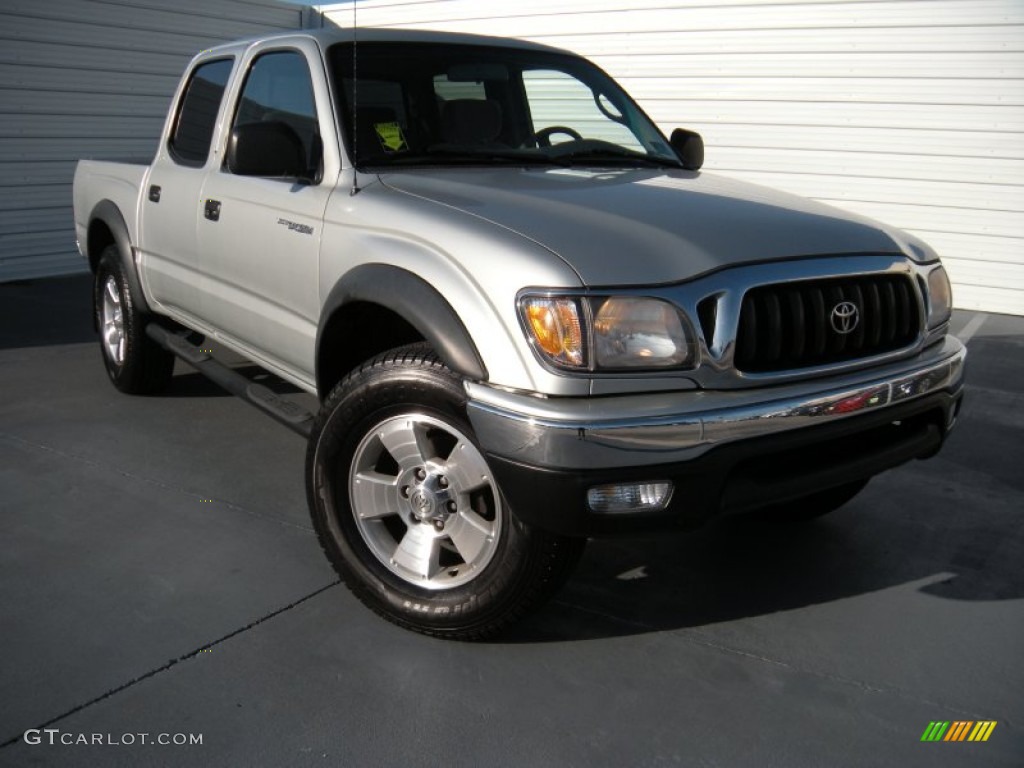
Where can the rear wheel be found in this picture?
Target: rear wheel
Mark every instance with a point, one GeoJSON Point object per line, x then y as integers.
{"type": "Point", "coordinates": [407, 510]}
{"type": "Point", "coordinates": [135, 363]}
{"type": "Point", "coordinates": [817, 504]}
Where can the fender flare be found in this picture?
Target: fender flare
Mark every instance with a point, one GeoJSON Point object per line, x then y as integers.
{"type": "Point", "coordinates": [107, 212]}
{"type": "Point", "coordinates": [418, 303]}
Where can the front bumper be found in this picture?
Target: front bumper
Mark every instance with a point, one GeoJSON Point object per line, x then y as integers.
{"type": "Point", "coordinates": [723, 451]}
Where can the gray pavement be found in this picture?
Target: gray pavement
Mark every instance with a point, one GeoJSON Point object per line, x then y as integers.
{"type": "Point", "coordinates": [158, 575]}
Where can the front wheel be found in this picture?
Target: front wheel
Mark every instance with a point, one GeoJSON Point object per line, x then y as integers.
{"type": "Point", "coordinates": [408, 511]}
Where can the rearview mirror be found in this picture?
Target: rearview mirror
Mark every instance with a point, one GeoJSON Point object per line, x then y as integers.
{"type": "Point", "coordinates": [689, 146]}
{"type": "Point", "coordinates": [269, 148]}
{"type": "Point", "coordinates": [477, 73]}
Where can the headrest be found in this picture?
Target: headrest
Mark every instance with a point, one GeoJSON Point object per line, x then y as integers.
{"type": "Point", "coordinates": [470, 121]}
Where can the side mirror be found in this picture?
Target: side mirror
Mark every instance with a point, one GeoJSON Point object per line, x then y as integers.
{"type": "Point", "coordinates": [689, 146]}
{"type": "Point", "coordinates": [270, 148]}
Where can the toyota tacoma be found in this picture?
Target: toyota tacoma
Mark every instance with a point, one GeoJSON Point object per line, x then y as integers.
{"type": "Point", "coordinates": [528, 317]}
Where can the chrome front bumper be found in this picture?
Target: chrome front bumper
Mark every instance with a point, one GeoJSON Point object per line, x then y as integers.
{"type": "Point", "coordinates": [674, 427]}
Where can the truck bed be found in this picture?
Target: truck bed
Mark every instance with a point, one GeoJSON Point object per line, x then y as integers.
{"type": "Point", "coordinates": [97, 180]}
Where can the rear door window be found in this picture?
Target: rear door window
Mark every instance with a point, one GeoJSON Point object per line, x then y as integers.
{"type": "Point", "coordinates": [197, 112]}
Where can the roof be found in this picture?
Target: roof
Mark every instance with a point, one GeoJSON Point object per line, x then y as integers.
{"type": "Point", "coordinates": [328, 36]}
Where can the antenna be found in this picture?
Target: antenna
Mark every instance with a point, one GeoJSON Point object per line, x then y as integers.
{"type": "Point", "coordinates": [355, 101]}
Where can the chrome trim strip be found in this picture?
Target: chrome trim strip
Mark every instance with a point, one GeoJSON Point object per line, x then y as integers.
{"type": "Point", "coordinates": [582, 433]}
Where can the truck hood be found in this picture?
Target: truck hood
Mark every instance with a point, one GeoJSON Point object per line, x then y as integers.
{"type": "Point", "coordinates": [619, 227]}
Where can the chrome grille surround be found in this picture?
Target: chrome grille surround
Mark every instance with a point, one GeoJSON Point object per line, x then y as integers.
{"type": "Point", "coordinates": [714, 304]}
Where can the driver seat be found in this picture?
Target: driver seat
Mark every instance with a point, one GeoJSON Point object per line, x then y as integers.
{"type": "Point", "coordinates": [470, 121]}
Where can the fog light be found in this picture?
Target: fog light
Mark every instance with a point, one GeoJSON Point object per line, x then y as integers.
{"type": "Point", "coordinates": [630, 497]}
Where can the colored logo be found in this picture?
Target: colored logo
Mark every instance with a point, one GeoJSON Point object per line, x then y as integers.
{"type": "Point", "coordinates": [958, 730]}
{"type": "Point", "coordinates": [845, 317]}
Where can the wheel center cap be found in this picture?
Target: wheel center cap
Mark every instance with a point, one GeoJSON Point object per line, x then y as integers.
{"type": "Point", "coordinates": [422, 504]}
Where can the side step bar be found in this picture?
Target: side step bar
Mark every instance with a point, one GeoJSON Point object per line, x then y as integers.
{"type": "Point", "coordinates": [292, 415]}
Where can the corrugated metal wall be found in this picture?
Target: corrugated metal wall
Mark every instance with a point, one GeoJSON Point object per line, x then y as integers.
{"type": "Point", "coordinates": [910, 111]}
{"type": "Point", "coordinates": [92, 78]}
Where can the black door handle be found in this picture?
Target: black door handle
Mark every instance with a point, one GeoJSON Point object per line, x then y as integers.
{"type": "Point", "coordinates": [154, 193]}
{"type": "Point", "coordinates": [212, 210]}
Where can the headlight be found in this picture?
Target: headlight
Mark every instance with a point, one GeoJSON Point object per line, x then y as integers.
{"type": "Point", "coordinates": [608, 333]}
{"type": "Point", "coordinates": [639, 333]}
{"type": "Point", "coordinates": [940, 297]}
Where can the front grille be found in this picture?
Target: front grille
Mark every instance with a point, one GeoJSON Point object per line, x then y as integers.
{"type": "Point", "coordinates": [818, 322]}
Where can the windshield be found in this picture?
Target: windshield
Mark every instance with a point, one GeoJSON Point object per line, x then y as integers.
{"type": "Point", "coordinates": [455, 104]}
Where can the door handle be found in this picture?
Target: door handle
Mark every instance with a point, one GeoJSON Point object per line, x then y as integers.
{"type": "Point", "coordinates": [154, 193]}
{"type": "Point", "coordinates": [212, 210]}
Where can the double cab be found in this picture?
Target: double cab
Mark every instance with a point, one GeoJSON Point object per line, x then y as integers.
{"type": "Point", "coordinates": [527, 315]}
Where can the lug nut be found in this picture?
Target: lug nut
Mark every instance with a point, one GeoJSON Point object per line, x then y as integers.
{"type": "Point", "coordinates": [442, 481]}
{"type": "Point", "coordinates": [439, 525]}
{"type": "Point", "coordinates": [405, 491]}
{"type": "Point", "coordinates": [453, 507]}
{"type": "Point", "coordinates": [420, 474]}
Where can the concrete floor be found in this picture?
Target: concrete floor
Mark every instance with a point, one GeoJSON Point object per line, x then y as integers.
{"type": "Point", "coordinates": [158, 575]}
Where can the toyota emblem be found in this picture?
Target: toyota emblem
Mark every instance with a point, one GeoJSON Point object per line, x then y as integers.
{"type": "Point", "coordinates": [845, 317]}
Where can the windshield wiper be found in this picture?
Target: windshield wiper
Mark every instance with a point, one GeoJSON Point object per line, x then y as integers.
{"type": "Point", "coordinates": [616, 155]}
{"type": "Point", "coordinates": [473, 156]}
{"type": "Point", "coordinates": [455, 155]}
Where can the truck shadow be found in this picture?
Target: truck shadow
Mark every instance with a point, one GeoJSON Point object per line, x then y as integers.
{"type": "Point", "coordinates": [743, 567]}
{"type": "Point", "coordinates": [948, 528]}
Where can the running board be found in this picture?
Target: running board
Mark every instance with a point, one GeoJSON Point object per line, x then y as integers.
{"type": "Point", "coordinates": [292, 415]}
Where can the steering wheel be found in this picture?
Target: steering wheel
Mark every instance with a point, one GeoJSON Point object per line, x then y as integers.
{"type": "Point", "coordinates": [544, 135]}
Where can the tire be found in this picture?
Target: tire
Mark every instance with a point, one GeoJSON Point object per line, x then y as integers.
{"type": "Point", "coordinates": [408, 512]}
{"type": "Point", "coordinates": [135, 363]}
{"type": "Point", "coordinates": [817, 504]}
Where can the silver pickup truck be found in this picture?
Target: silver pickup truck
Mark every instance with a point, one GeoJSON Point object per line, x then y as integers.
{"type": "Point", "coordinates": [528, 318]}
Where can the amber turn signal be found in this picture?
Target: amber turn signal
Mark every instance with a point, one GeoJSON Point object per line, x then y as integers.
{"type": "Point", "coordinates": [554, 326]}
